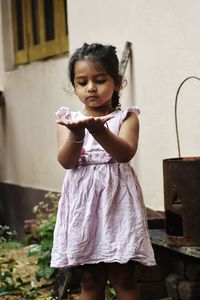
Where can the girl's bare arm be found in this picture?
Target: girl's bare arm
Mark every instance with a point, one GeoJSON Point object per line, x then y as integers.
{"type": "Point", "coordinates": [121, 147]}
{"type": "Point", "coordinates": [69, 135]}
{"type": "Point", "coordinates": [69, 151]}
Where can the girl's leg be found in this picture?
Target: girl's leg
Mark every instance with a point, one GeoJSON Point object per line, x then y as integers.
{"type": "Point", "coordinates": [93, 282]}
{"type": "Point", "coordinates": [122, 278]}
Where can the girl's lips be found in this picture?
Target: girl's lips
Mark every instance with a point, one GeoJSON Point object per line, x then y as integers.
{"type": "Point", "coordinates": [91, 97]}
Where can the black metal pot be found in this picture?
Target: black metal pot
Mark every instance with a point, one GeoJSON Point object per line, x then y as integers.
{"type": "Point", "coordinates": [182, 195]}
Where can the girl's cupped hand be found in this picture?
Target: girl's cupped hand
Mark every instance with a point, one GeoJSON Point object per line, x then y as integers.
{"type": "Point", "coordinates": [93, 124]}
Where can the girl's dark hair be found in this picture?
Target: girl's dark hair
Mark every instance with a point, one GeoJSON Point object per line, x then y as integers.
{"type": "Point", "coordinates": [105, 54]}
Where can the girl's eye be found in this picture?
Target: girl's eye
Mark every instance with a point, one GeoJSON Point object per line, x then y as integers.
{"type": "Point", "coordinates": [82, 83]}
{"type": "Point", "coordinates": [85, 82]}
{"type": "Point", "coordinates": [101, 81]}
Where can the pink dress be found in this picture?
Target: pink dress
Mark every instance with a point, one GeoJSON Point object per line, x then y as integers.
{"type": "Point", "coordinates": [101, 215]}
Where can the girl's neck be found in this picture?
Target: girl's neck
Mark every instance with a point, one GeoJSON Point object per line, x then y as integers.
{"type": "Point", "coordinates": [98, 111]}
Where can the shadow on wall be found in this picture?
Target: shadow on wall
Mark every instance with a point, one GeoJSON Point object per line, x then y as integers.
{"type": "Point", "coordinates": [19, 207]}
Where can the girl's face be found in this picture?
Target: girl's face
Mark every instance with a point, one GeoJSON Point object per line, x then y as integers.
{"type": "Point", "coordinates": [93, 85]}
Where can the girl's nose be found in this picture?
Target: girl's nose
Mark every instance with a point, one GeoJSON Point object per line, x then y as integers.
{"type": "Point", "coordinates": [91, 86]}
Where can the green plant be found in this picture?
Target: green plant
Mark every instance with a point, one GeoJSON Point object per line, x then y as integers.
{"type": "Point", "coordinates": [12, 285]}
{"type": "Point", "coordinates": [111, 295]}
{"type": "Point", "coordinates": [46, 217]}
{"type": "Point", "coordinates": [6, 234]}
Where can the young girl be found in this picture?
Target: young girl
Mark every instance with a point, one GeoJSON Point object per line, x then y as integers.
{"type": "Point", "coordinates": [101, 223]}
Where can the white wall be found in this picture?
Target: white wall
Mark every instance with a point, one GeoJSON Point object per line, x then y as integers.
{"type": "Point", "coordinates": [1, 55]}
{"type": "Point", "coordinates": [166, 50]}
{"type": "Point", "coordinates": [34, 92]}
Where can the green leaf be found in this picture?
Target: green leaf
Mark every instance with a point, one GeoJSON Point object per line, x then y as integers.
{"type": "Point", "coordinates": [7, 288]}
{"type": "Point", "coordinates": [34, 250]}
{"type": "Point", "coordinates": [39, 274]}
{"type": "Point", "coordinates": [46, 245]}
{"type": "Point", "coordinates": [49, 272]}
{"type": "Point", "coordinates": [112, 291]}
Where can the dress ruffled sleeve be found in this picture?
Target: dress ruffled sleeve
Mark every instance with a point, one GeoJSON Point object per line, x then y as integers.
{"type": "Point", "coordinates": [125, 112]}
{"type": "Point", "coordinates": [63, 111]}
